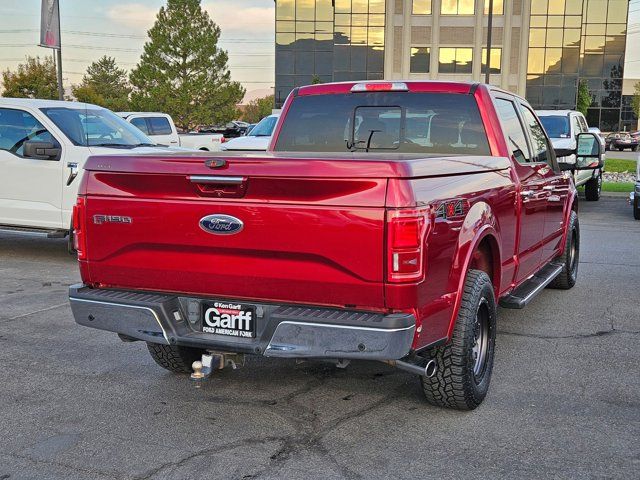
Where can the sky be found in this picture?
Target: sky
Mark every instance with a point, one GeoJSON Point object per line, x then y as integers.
{"type": "Point", "coordinates": [93, 28]}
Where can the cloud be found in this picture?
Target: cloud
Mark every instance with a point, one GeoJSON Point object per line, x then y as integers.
{"type": "Point", "coordinates": [133, 15]}
{"type": "Point", "coordinates": [235, 19]}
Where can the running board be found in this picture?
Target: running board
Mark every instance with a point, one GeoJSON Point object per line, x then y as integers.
{"type": "Point", "coordinates": [526, 292]}
{"type": "Point", "coordinates": [50, 233]}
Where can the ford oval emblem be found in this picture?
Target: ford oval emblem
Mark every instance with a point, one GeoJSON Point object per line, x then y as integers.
{"type": "Point", "coordinates": [220, 224]}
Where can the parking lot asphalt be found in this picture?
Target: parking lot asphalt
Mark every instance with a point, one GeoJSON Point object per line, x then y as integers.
{"type": "Point", "coordinates": [564, 402]}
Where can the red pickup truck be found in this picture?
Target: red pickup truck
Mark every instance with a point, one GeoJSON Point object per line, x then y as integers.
{"type": "Point", "coordinates": [386, 222]}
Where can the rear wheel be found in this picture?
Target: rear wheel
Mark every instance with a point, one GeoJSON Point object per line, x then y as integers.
{"type": "Point", "coordinates": [636, 206]}
{"type": "Point", "coordinates": [570, 256]}
{"type": "Point", "coordinates": [593, 188]}
{"type": "Point", "coordinates": [173, 358]}
{"type": "Point", "coordinates": [464, 365]}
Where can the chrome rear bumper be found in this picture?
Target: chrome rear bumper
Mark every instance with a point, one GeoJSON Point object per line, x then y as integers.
{"type": "Point", "coordinates": [281, 330]}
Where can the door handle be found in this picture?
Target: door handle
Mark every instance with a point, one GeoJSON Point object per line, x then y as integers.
{"type": "Point", "coordinates": [526, 194]}
{"type": "Point", "coordinates": [73, 172]}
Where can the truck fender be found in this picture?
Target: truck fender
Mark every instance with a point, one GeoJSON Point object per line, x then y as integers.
{"type": "Point", "coordinates": [479, 223]}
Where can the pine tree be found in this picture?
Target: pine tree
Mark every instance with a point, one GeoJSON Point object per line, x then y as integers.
{"type": "Point", "coordinates": [182, 71]}
{"type": "Point", "coordinates": [104, 84]}
{"type": "Point", "coordinates": [584, 97]}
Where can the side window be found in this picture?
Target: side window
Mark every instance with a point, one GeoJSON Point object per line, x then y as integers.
{"type": "Point", "coordinates": [516, 137]}
{"type": "Point", "coordinates": [159, 126]}
{"type": "Point", "coordinates": [17, 127]}
{"type": "Point", "coordinates": [538, 138]}
{"type": "Point", "coordinates": [141, 124]}
{"type": "Point", "coordinates": [575, 125]}
{"type": "Point", "coordinates": [583, 123]}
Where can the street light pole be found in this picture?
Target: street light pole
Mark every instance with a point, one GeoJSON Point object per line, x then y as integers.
{"type": "Point", "coordinates": [487, 73]}
{"type": "Point", "coordinates": [59, 58]}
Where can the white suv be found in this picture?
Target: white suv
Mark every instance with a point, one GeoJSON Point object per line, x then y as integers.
{"type": "Point", "coordinates": [562, 126]}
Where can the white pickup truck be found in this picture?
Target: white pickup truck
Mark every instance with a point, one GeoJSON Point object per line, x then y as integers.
{"type": "Point", "coordinates": [160, 128]}
{"type": "Point", "coordinates": [43, 147]}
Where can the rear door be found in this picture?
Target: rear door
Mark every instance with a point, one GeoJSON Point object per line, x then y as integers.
{"type": "Point", "coordinates": [556, 184]}
{"type": "Point", "coordinates": [532, 196]}
{"type": "Point", "coordinates": [30, 188]}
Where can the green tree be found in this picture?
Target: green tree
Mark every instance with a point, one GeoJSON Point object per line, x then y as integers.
{"type": "Point", "coordinates": [104, 84]}
{"type": "Point", "coordinates": [316, 80]}
{"type": "Point", "coordinates": [635, 101]}
{"type": "Point", "coordinates": [33, 79]}
{"type": "Point", "coordinates": [257, 109]}
{"type": "Point", "coordinates": [182, 71]}
{"type": "Point", "coordinates": [584, 97]}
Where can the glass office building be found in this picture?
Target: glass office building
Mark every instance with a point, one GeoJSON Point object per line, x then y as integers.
{"type": "Point", "coordinates": [328, 40]}
{"type": "Point", "coordinates": [572, 41]}
{"type": "Point", "coordinates": [541, 49]}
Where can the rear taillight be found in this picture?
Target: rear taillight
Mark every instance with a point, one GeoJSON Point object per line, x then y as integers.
{"type": "Point", "coordinates": [222, 140]}
{"type": "Point", "coordinates": [406, 237]}
{"type": "Point", "coordinates": [79, 228]}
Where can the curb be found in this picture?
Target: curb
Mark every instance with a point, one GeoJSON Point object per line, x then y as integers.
{"type": "Point", "coordinates": [614, 194]}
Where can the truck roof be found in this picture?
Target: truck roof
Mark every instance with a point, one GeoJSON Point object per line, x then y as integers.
{"type": "Point", "coordinates": [128, 114]}
{"type": "Point", "coordinates": [411, 86]}
{"type": "Point", "coordinates": [40, 103]}
{"type": "Point", "coordinates": [560, 113]}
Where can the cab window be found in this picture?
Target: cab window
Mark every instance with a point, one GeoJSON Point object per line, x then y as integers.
{"type": "Point", "coordinates": [513, 130]}
{"type": "Point", "coordinates": [141, 124]}
{"type": "Point", "coordinates": [18, 127]}
{"type": "Point", "coordinates": [159, 126]}
{"type": "Point", "coordinates": [577, 128]}
{"type": "Point", "coordinates": [538, 138]}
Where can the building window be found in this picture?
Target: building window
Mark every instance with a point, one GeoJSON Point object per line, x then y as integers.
{"type": "Point", "coordinates": [455, 60]}
{"type": "Point", "coordinates": [421, 7]}
{"type": "Point", "coordinates": [457, 7]}
{"type": "Point", "coordinates": [498, 7]}
{"type": "Point", "coordinates": [420, 58]}
{"type": "Point", "coordinates": [496, 60]}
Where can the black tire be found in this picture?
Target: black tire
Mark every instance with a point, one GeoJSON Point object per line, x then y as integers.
{"type": "Point", "coordinates": [621, 149]}
{"type": "Point", "coordinates": [461, 382]}
{"type": "Point", "coordinates": [593, 188]}
{"type": "Point", "coordinates": [173, 358]}
{"type": "Point", "coordinates": [636, 206]}
{"type": "Point", "coordinates": [570, 257]}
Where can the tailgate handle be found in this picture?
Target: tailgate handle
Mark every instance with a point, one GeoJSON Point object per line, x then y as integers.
{"type": "Point", "coordinates": [219, 186]}
{"type": "Point", "coordinates": [211, 180]}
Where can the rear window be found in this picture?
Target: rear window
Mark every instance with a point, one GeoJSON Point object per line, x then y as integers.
{"type": "Point", "coordinates": [557, 126]}
{"type": "Point", "coordinates": [429, 123]}
{"type": "Point", "coordinates": [159, 125]}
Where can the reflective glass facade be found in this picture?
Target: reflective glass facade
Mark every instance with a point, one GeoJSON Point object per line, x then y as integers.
{"type": "Point", "coordinates": [578, 40]}
{"type": "Point", "coordinates": [325, 40]}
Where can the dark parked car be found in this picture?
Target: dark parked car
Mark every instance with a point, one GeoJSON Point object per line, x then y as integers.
{"type": "Point", "coordinates": [621, 141]}
{"type": "Point", "coordinates": [235, 128]}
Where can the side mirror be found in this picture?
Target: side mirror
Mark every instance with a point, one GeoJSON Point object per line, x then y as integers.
{"type": "Point", "coordinates": [588, 153]}
{"type": "Point", "coordinates": [41, 150]}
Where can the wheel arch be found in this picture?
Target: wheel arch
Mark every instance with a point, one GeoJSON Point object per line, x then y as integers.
{"type": "Point", "coordinates": [478, 248]}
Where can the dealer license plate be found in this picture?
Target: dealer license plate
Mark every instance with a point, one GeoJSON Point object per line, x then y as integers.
{"type": "Point", "coordinates": [229, 319]}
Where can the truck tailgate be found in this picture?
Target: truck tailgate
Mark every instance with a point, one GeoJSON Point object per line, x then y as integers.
{"type": "Point", "coordinates": [306, 237]}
